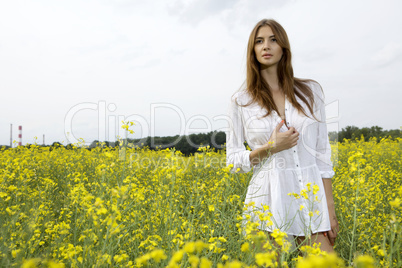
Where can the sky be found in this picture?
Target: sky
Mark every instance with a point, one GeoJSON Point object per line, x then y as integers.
{"type": "Point", "coordinates": [73, 70]}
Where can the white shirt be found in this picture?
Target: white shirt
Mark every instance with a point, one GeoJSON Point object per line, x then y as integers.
{"type": "Point", "coordinates": [285, 172]}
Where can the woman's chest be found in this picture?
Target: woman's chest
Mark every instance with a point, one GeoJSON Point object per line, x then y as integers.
{"type": "Point", "coordinates": [255, 117]}
{"type": "Point", "coordinates": [259, 128]}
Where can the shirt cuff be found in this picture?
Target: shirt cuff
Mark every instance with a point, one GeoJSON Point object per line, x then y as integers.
{"type": "Point", "coordinates": [327, 174]}
{"type": "Point", "coordinates": [241, 163]}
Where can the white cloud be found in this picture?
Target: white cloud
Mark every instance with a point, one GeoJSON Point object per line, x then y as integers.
{"type": "Point", "coordinates": [195, 11]}
{"type": "Point", "coordinates": [390, 53]}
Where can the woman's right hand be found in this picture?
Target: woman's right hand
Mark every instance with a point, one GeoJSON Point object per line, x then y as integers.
{"type": "Point", "coordinates": [280, 141]}
{"type": "Point", "coordinates": [277, 142]}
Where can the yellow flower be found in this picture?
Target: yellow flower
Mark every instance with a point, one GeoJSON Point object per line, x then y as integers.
{"type": "Point", "coordinates": [312, 261]}
{"type": "Point", "coordinates": [297, 196]}
{"type": "Point", "coordinates": [308, 186]}
{"type": "Point", "coordinates": [10, 212]}
{"type": "Point", "coordinates": [396, 203]}
{"type": "Point", "coordinates": [267, 245]}
{"type": "Point", "coordinates": [233, 264]}
{"type": "Point", "coordinates": [200, 245]}
{"type": "Point", "coordinates": [177, 256]}
{"type": "Point", "coordinates": [278, 235]}
{"type": "Point", "coordinates": [364, 261]}
{"type": "Point", "coordinates": [205, 263]}
{"type": "Point", "coordinates": [315, 189]}
{"type": "Point", "coordinates": [158, 255]}
{"type": "Point", "coordinates": [265, 259]}
{"type": "Point", "coordinates": [14, 252]}
{"type": "Point", "coordinates": [31, 263]}
{"type": "Point", "coordinates": [301, 207]}
{"type": "Point", "coordinates": [303, 193]}
{"type": "Point", "coordinates": [171, 264]}
{"type": "Point", "coordinates": [264, 217]}
{"type": "Point", "coordinates": [108, 154]}
{"type": "Point", "coordinates": [193, 260]}
{"type": "Point", "coordinates": [189, 247]}
{"type": "Point", "coordinates": [52, 264]}
{"type": "Point", "coordinates": [222, 239]}
{"type": "Point", "coordinates": [245, 247]}
{"type": "Point", "coordinates": [101, 211]}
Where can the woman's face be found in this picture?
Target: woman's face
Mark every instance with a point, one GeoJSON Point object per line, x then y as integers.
{"type": "Point", "coordinates": [267, 51]}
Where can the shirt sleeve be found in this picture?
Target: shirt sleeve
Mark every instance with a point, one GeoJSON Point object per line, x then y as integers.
{"type": "Point", "coordinates": [323, 148]}
{"type": "Point", "coordinates": [236, 152]}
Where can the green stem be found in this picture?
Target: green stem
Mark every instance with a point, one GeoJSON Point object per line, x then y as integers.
{"type": "Point", "coordinates": [354, 222]}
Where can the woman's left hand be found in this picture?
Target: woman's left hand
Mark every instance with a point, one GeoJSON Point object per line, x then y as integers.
{"type": "Point", "coordinates": [332, 234]}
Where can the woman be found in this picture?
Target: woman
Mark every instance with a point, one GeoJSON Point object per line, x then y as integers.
{"type": "Point", "coordinates": [282, 118]}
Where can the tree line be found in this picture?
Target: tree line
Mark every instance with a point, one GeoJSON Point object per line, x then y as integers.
{"type": "Point", "coordinates": [353, 133]}
{"type": "Point", "coordinates": [189, 144]}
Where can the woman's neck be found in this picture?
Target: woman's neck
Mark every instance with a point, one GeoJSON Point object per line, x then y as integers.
{"type": "Point", "coordinates": [270, 75]}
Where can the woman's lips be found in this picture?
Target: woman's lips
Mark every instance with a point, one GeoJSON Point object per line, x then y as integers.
{"type": "Point", "coordinates": [267, 56]}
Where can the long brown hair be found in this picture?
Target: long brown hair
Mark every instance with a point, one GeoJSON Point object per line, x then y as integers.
{"type": "Point", "coordinates": [259, 89]}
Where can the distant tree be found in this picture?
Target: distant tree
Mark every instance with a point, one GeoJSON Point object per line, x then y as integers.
{"type": "Point", "coordinates": [219, 138]}
{"type": "Point", "coordinates": [69, 146]}
{"type": "Point", "coordinates": [57, 144]}
{"type": "Point", "coordinates": [94, 144]}
{"type": "Point", "coordinates": [348, 132]}
{"type": "Point", "coordinates": [375, 131]}
{"type": "Point", "coordinates": [393, 133]}
{"type": "Point", "coordinates": [353, 132]}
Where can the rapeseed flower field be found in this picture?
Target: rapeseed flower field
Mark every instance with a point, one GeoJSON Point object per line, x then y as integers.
{"type": "Point", "coordinates": [134, 207]}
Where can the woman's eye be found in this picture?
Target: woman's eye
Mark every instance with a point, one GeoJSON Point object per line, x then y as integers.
{"type": "Point", "coordinates": [273, 40]}
{"type": "Point", "coordinates": [259, 41]}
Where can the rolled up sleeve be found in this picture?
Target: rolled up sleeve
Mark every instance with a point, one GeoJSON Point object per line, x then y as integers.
{"type": "Point", "coordinates": [323, 147]}
{"type": "Point", "coordinates": [236, 152]}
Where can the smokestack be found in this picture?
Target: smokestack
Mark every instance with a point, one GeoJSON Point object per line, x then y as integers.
{"type": "Point", "coordinates": [20, 135]}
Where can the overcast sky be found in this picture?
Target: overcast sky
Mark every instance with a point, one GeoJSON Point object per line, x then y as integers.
{"type": "Point", "coordinates": [74, 69]}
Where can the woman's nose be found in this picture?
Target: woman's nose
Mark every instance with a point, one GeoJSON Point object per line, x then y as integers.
{"type": "Point", "coordinates": [266, 45]}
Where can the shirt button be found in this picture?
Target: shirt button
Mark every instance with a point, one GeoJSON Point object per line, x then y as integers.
{"type": "Point", "coordinates": [294, 151]}
{"type": "Point", "coordinates": [297, 165]}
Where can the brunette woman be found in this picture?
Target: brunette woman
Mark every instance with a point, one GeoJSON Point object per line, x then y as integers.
{"type": "Point", "coordinates": [282, 118]}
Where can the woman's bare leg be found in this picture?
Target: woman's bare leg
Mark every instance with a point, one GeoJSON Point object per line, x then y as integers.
{"type": "Point", "coordinates": [317, 238]}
